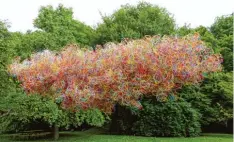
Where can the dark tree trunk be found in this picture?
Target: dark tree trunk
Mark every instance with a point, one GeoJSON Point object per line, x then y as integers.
{"type": "Point", "coordinates": [55, 132]}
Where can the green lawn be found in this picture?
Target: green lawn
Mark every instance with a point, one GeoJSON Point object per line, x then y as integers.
{"type": "Point", "coordinates": [94, 136]}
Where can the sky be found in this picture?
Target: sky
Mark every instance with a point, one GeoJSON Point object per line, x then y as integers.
{"type": "Point", "coordinates": [20, 13]}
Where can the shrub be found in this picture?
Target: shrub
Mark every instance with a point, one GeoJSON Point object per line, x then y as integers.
{"type": "Point", "coordinates": [167, 119]}
{"type": "Point", "coordinates": [199, 101]}
{"type": "Point", "coordinates": [213, 98]}
{"type": "Point", "coordinates": [23, 112]}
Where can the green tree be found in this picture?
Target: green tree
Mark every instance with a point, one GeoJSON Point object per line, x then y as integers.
{"type": "Point", "coordinates": [64, 28]}
{"type": "Point", "coordinates": [184, 30]}
{"type": "Point", "coordinates": [219, 87]}
{"type": "Point", "coordinates": [23, 45]}
{"type": "Point", "coordinates": [8, 42]}
{"type": "Point", "coordinates": [134, 22]}
{"type": "Point", "coordinates": [213, 99]}
{"type": "Point", "coordinates": [23, 111]}
{"type": "Point", "coordinates": [222, 29]}
{"type": "Point", "coordinates": [4, 54]}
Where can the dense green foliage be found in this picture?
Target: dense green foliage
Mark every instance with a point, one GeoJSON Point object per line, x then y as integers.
{"type": "Point", "coordinates": [200, 102]}
{"type": "Point", "coordinates": [135, 22]}
{"type": "Point", "coordinates": [223, 26]}
{"type": "Point", "coordinates": [7, 44]}
{"type": "Point", "coordinates": [24, 111]}
{"type": "Point", "coordinates": [219, 88]}
{"type": "Point", "coordinates": [213, 99]}
{"type": "Point", "coordinates": [222, 29]}
{"type": "Point", "coordinates": [61, 26]}
{"type": "Point", "coordinates": [165, 119]}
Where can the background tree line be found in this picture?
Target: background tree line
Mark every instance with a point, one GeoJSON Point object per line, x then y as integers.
{"type": "Point", "coordinates": [208, 105]}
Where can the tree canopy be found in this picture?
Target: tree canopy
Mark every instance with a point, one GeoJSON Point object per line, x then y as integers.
{"type": "Point", "coordinates": [151, 66]}
{"type": "Point", "coordinates": [222, 29]}
{"type": "Point", "coordinates": [64, 28]}
{"type": "Point", "coordinates": [135, 22]}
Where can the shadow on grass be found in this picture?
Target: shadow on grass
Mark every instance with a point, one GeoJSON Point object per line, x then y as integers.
{"type": "Point", "coordinates": [69, 134]}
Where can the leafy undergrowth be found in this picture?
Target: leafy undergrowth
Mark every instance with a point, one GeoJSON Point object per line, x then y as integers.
{"type": "Point", "coordinates": [94, 135]}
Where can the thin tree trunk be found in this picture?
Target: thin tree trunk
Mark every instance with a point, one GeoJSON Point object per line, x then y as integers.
{"type": "Point", "coordinates": [55, 132]}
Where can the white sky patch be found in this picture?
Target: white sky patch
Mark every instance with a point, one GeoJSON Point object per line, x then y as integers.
{"type": "Point", "coordinates": [20, 13]}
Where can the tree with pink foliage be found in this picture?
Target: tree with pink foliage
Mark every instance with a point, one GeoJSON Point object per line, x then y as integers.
{"type": "Point", "coordinates": [86, 79]}
{"type": "Point", "coordinates": [152, 66]}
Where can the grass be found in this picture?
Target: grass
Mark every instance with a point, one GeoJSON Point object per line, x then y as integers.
{"type": "Point", "coordinates": [96, 136]}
